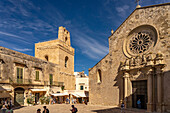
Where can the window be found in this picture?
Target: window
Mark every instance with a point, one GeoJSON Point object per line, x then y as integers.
{"type": "Point", "coordinates": [99, 76]}
{"type": "Point", "coordinates": [66, 61]}
{"type": "Point", "coordinates": [51, 79]}
{"type": "Point", "coordinates": [81, 87]}
{"type": "Point", "coordinates": [65, 39]}
{"type": "Point", "coordinates": [37, 75]}
{"type": "Point", "coordinates": [46, 57]}
{"type": "Point", "coordinates": [19, 75]}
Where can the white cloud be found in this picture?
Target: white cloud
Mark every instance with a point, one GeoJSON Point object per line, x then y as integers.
{"type": "Point", "coordinates": [90, 46]}
{"type": "Point", "coordinates": [22, 50]}
{"type": "Point", "coordinates": [13, 35]}
{"type": "Point", "coordinates": [122, 10]}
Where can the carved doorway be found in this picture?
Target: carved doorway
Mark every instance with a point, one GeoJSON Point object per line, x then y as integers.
{"type": "Point", "coordinates": [139, 91]}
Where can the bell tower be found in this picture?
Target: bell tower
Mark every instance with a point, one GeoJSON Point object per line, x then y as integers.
{"type": "Point", "coordinates": [58, 51]}
{"type": "Point", "coordinates": [64, 35]}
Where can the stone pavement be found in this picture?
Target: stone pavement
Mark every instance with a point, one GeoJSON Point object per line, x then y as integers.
{"type": "Point", "coordinates": [65, 108]}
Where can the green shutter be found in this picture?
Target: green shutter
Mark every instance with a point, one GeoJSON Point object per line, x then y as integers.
{"type": "Point", "coordinates": [37, 75]}
{"type": "Point", "coordinates": [51, 79]}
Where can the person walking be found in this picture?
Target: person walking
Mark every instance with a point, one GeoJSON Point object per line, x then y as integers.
{"type": "Point", "coordinates": [38, 110]}
{"type": "Point", "coordinates": [139, 104]}
{"type": "Point", "coordinates": [3, 109]}
{"type": "Point", "coordinates": [45, 110]}
{"type": "Point", "coordinates": [74, 109]}
{"type": "Point", "coordinates": [9, 110]}
{"type": "Point", "coordinates": [10, 103]}
{"type": "Point", "coordinates": [122, 107]}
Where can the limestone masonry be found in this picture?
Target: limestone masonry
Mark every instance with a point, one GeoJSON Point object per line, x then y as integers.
{"type": "Point", "coordinates": [138, 63]}
{"type": "Point", "coordinates": [52, 67]}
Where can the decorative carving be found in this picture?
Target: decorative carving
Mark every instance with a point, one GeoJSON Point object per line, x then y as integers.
{"type": "Point", "coordinates": [144, 59]}
{"type": "Point", "coordinates": [159, 59]}
{"type": "Point", "coordinates": [140, 43]}
{"type": "Point", "coordinates": [150, 59]}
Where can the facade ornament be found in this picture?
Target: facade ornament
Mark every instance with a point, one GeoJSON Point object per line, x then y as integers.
{"type": "Point", "coordinates": [132, 61]}
{"type": "Point", "coordinates": [150, 59]}
{"type": "Point", "coordinates": [143, 59]}
{"type": "Point", "coordinates": [159, 59]}
{"type": "Point", "coordinates": [126, 64]}
{"type": "Point", "coordinates": [112, 32]}
{"type": "Point", "coordinates": [138, 60]}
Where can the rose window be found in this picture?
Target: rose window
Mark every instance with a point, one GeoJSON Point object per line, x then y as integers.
{"type": "Point", "coordinates": [140, 43]}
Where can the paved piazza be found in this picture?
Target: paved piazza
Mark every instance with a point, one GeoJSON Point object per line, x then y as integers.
{"type": "Point", "coordinates": [65, 108]}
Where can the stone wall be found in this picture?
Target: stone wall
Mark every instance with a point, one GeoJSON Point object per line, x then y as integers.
{"type": "Point", "coordinates": [156, 16]}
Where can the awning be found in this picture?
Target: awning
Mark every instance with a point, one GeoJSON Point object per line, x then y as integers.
{"type": "Point", "coordinates": [75, 95]}
{"type": "Point", "coordinates": [4, 89]}
{"type": "Point", "coordinates": [38, 90]}
{"type": "Point", "coordinates": [60, 94]}
{"type": "Point", "coordinates": [79, 94]}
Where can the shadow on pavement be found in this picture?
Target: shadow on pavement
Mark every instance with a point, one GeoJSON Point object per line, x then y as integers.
{"type": "Point", "coordinates": [18, 107]}
{"type": "Point", "coordinates": [117, 110]}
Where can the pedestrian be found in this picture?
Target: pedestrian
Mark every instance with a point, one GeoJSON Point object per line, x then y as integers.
{"type": "Point", "coordinates": [122, 107]}
{"type": "Point", "coordinates": [9, 110]}
{"type": "Point", "coordinates": [45, 110]}
{"type": "Point", "coordinates": [139, 104]}
{"type": "Point", "coordinates": [74, 109]}
{"type": "Point", "coordinates": [6, 102]}
{"type": "Point", "coordinates": [10, 103]}
{"type": "Point", "coordinates": [38, 110]}
{"type": "Point", "coordinates": [3, 109]}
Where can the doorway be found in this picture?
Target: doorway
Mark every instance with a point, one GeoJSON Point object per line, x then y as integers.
{"type": "Point", "coordinates": [19, 96]}
{"type": "Point", "coordinates": [139, 91]}
{"type": "Point", "coordinates": [37, 96]}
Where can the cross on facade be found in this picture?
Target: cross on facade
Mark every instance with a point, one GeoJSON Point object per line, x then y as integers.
{"type": "Point", "coordinates": [137, 1]}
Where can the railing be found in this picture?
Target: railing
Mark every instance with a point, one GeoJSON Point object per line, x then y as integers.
{"type": "Point", "coordinates": [30, 81]}
{"type": "Point", "coordinates": [20, 81]}
{"type": "Point", "coordinates": [54, 83]}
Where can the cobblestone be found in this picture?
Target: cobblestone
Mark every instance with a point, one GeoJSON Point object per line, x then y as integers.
{"type": "Point", "coordinates": [65, 108]}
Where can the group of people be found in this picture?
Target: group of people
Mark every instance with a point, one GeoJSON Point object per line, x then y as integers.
{"type": "Point", "coordinates": [7, 106]}
{"type": "Point", "coordinates": [44, 111]}
{"type": "Point", "coordinates": [6, 109]}
{"type": "Point", "coordinates": [138, 105]}
{"type": "Point", "coordinates": [73, 110]}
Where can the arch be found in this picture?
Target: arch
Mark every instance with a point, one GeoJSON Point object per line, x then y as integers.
{"type": "Point", "coordinates": [66, 39]}
{"type": "Point", "coordinates": [99, 76]}
{"type": "Point", "coordinates": [19, 96]}
{"type": "Point", "coordinates": [66, 61]}
{"type": "Point", "coordinates": [46, 57]}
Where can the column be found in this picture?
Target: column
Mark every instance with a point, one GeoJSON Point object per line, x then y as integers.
{"type": "Point", "coordinates": [159, 89]}
{"type": "Point", "coordinates": [150, 93]}
{"type": "Point", "coordinates": [126, 75]}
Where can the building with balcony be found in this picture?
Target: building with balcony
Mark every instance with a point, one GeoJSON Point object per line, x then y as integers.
{"type": "Point", "coordinates": [50, 71]}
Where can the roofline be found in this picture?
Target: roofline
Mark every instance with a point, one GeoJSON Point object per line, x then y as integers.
{"type": "Point", "coordinates": [26, 55]}
{"type": "Point", "coordinates": [98, 62]}
{"type": "Point", "coordinates": [137, 9]}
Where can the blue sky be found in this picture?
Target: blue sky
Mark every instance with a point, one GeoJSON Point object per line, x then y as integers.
{"type": "Point", "coordinates": [25, 22]}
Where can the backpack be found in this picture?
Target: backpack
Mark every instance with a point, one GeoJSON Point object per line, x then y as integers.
{"type": "Point", "coordinates": [74, 110]}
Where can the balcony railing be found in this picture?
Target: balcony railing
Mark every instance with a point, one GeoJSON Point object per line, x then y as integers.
{"type": "Point", "coordinates": [20, 81]}
{"type": "Point", "coordinates": [32, 81]}
{"type": "Point", "coordinates": [54, 83]}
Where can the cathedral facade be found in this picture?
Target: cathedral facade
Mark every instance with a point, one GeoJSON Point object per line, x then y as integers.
{"type": "Point", "coordinates": [138, 63]}
{"type": "Point", "coordinates": [50, 71]}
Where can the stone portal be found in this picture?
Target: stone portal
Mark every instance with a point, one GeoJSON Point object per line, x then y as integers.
{"type": "Point", "coordinates": [139, 91]}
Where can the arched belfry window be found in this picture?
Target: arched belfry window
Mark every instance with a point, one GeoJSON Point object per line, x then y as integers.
{"type": "Point", "coordinates": [99, 76]}
{"type": "Point", "coordinates": [66, 61]}
{"type": "Point", "coordinates": [65, 39]}
{"type": "Point", "coordinates": [46, 57]}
